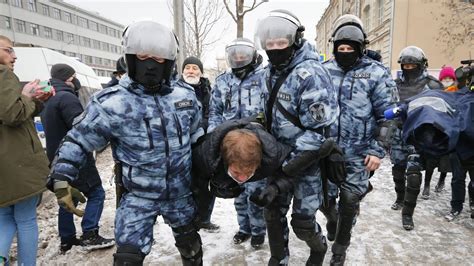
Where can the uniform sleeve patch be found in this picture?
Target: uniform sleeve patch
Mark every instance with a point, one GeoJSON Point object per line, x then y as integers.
{"type": "Point", "coordinates": [303, 73]}
{"type": "Point", "coordinates": [183, 104]}
{"type": "Point", "coordinates": [317, 112]}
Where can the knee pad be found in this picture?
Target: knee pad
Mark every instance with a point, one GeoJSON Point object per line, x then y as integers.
{"type": "Point", "coordinates": [128, 255]}
{"type": "Point", "coordinates": [189, 246]}
{"type": "Point", "coordinates": [414, 180]}
{"type": "Point", "coordinates": [349, 203]}
{"type": "Point", "coordinates": [304, 228]}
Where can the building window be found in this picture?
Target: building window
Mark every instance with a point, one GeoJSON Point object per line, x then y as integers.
{"type": "Point", "coordinates": [17, 3]}
{"type": "Point", "coordinates": [67, 17]}
{"type": "Point", "coordinates": [88, 59]}
{"type": "Point", "coordinates": [20, 26]}
{"type": "Point", "coordinates": [103, 29]}
{"type": "Point", "coordinates": [105, 46]}
{"type": "Point", "coordinates": [93, 25]}
{"type": "Point", "coordinates": [32, 5]}
{"type": "Point", "coordinates": [8, 24]}
{"type": "Point", "coordinates": [34, 29]}
{"type": "Point", "coordinates": [367, 18]}
{"type": "Point", "coordinates": [45, 9]}
{"type": "Point", "coordinates": [48, 32]}
{"type": "Point", "coordinates": [380, 11]}
{"type": "Point", "coordinates": [56, 13]}
{"type": "Point", "coordinates": [69, 38]}
{"type": "Point", "coordinates": [98, 61]}
{"type": "Point", "coordinates": [82, 22]}
{"type": "Point", "coordinates": [59, 35]}
{"type": "Point", "coordinates": [96, 44]}
{"type": "Point", "coordinates": [86, 42]}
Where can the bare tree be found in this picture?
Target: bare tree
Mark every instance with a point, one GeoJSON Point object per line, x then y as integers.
{"type": "Point", "coordinates": [201, 17]}
{"type": "Point", "coordinates": [240, 11]}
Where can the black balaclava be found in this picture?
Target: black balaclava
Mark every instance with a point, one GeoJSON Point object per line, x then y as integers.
{"type": "Point", "coordinates": [280, 58]}
{"type": "Point", "coordinates": [412, 74]}
{"type": "Point", "coordinates": [154, 76]}
{"type": "Point", "coordinates": [242, 72]}
{"type": "Point", "coordinates": [347, 60]}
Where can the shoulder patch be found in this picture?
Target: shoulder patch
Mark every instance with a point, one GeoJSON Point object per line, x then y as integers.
{"type": "Point", "coordinates": [303, 73]}
{"type": "Point", "coordinates": [183, 104]}
{"type": "Point", "coordinates": [284, 96]}
{"type": "Point", "coordinates": [317, 112]}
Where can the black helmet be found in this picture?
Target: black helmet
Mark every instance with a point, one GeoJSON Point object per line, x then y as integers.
{"type": "Point", "coordinates": [121, 67]}
{"type": "Point", "coordinates": [348, 19]}
{"type": "Point", "coordinates": [350, 34]}
{"type": "Point", "coordinates": [413, 55]}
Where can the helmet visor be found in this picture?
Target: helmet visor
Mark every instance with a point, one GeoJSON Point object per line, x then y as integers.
{"type": "Point", "coordinates": [151, 39]}
{"type": "Point", "coordinates": [275, 33]}
{"type": "Point", "coordinates": [239, 55]}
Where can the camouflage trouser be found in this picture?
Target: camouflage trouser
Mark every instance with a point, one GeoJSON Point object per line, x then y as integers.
{"type": "Point", "coordinates": [250, 215]}
{"type": "Point", "coordinates": [307, 198]}
{"type": "Point", "coordinates": [399, 151]}
{"type": "Point", "coordinates": [357, 180]}
{"type": "Point", "coordinates": [136, 216]}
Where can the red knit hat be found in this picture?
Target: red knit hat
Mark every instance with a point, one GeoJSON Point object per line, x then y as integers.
{"type": "Point", "coordinates": [447, 72]}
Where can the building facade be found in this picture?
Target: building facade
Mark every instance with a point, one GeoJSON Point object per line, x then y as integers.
{"type": "Point", "coordinates": [65, 28]}
{"type": "Point", "coordinates": [442, 28]}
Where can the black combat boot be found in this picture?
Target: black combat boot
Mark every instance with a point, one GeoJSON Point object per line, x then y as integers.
{"type": "Point", "coordinates": [338, 255]}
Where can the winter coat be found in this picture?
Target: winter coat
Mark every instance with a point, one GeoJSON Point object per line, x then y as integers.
{"type": "Point", "coordinates": [307, 94]}
{"type": "Point", "coordinates": [112, 82]}
{"type": "Point", "coordinates": [23, 163]}
{"type": "Point", "coordinates": [234, 98]}
{"type": "Point", "coordinates": [363, 93]}
{"type": "Point", "coordinates": [150, 134]}
{"type": "Point", "coordinates": [57, 118]}
{"type": "Point", "coordinates": [208, 164]}
{"type": "Point", "coordinates": [203, 95]}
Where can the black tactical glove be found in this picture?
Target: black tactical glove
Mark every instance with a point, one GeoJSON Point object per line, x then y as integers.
{"type": "Point", "coordinates": [266, 196]}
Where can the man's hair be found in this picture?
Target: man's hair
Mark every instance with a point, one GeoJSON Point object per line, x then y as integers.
{"type": "Point", "coordinates": [242, 148]}
{"type": "Point", "coordinates": [5, 39]}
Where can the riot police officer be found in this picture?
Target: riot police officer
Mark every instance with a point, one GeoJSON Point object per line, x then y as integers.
{"type": "Point", "coordinates": [150, 123]}
{"type": "Point", "coordinates": [365, 90]}
{"type": "Point", "coordinates": [238, 94]}
{"type": "Point", "coordinates": [407, 164]}
{"type": "Point", "coordinates": [300, 103]}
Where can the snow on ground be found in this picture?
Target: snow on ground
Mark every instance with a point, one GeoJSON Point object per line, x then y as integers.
{"type": "Point", "coordinates": [378, 237]}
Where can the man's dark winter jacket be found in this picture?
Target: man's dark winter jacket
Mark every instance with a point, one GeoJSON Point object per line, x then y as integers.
{"type": "Point", "coordinates": [57, 118]}
{"type": "Point", "coordinates": [207, 161]}
{"type": "Point", "coordinates": [203, 94]}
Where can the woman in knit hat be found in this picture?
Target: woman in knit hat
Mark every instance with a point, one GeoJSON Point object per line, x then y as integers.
{"type": "Point", "coordinates": [448, 78]}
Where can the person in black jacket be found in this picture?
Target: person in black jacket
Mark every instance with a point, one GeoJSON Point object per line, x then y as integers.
{"type": "Point", "coordinates": [57, 118]}
{"type": "Point", "coordinates": [192, 75]}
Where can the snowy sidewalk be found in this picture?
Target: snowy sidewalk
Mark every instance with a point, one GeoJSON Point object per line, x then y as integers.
{"type": "Point", "coordinates": [378, 237]}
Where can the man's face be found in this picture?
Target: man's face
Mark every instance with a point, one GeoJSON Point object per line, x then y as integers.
{"type": "Point", "coordinates": [192, 74]}
{"type": "Point", "coordinates": [192, 70]}
{"type": "Point", "coordinates": [240, 175]}
{"type": "Point", "coordinates": [7, 54]}
{"type": "Point", "coordinates": [276, 44]}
